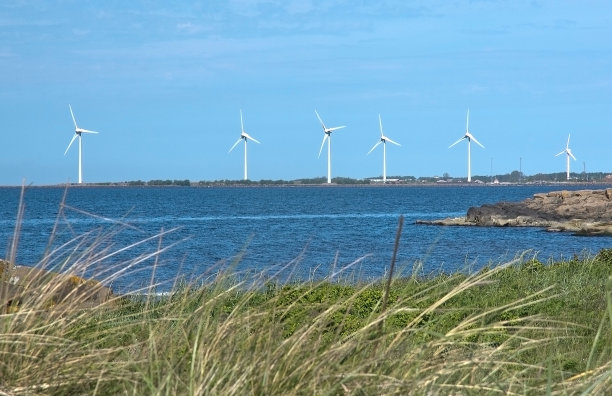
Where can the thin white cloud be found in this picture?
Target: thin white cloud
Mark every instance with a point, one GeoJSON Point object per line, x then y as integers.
{"type": "Point", "coordinates": [24, 23]}
{"type": "Point", "coordinates": [299, 7]}
{"type": "Point", "coordinates": [189, 28]}
{"type": "Point", "coordinates": [80, 32]}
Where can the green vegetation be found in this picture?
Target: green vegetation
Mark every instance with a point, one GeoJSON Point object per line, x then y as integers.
{"type": "Point", "coordinates": [518, 177]}
{"type": "Point", "coordinates": [513, 177]}
{"type": "Point", "coordinates": [169, 183]}
{"type": "Point", "coordinates": [267, 182]}
{"type": "Point", "coordinates": [523, 328]}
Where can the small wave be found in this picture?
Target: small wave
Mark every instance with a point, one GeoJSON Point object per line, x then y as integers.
{"type": "Point", "coordinates": [166, 219]}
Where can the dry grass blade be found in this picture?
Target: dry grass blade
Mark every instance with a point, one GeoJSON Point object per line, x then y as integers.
{"type": "Point", "coordinates": [18, 222]}
{"type": "Point", "coordinates": [392, 267]}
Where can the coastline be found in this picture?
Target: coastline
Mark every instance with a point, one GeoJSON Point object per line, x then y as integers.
{"type": "Point", "coordinates": [601, 184]}
{"type": "Point", "coordinates": [580, 212]}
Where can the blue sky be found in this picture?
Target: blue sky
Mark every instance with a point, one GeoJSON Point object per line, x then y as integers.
{"type": "Point", "coordinates": [163, 82]}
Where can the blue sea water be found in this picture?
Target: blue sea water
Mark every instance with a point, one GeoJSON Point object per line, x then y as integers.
{"type": "Point", "coordinates": [308, 231]}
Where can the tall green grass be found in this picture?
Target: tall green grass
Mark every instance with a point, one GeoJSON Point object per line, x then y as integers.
{"type": "Point", "coordinates": [519, 328]}
{"type": "Point", "coordinates": [524, 327]}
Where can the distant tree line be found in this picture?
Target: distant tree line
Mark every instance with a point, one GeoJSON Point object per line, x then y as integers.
{"type": "Point", "coordinates": [184, 183]}
{"type": "Point", "coordinates": [512, 177]}
{"type": "Point", "coordinates": [518, 177]}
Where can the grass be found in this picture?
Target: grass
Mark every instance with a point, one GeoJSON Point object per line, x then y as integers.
{"type": "Point", "coordinates": [525, 327]}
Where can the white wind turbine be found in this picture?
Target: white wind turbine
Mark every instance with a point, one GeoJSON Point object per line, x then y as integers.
{"type": "Point", "coordinates": [383, 140]}
{"type": "Point", "coordinates": [77, 133]}
{"type": "Point", "coordinates": [327, 135]}
{"type": "Point", "coordinates": [569, 154]}
{"type": "Point", "coordinates": [244, 136]}
{"type": "Point", "coordinates": [469, 138]}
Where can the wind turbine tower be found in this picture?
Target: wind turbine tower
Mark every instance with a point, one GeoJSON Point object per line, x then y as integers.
{"type": "Point", "coordinates": [569, 154]}
{"type": "Point", "coordinates": [77, 134]}
{"type": "Point", "coordinates": [469, 137]}
{"type": "Point", "coordinates": [383, 140]}
{"type": "Point", "coordinates": [327, 135]}
{"type": "Point", "coordinates": [244, 136]}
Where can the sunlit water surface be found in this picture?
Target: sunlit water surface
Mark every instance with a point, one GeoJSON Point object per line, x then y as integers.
{"type": "Point", "coordinates": [303, 232]}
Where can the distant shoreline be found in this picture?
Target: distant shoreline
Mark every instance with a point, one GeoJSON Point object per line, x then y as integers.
{"type": "Point", "coordinates": [299, 185]}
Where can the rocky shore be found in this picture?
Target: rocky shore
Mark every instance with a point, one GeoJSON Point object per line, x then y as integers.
{"type": "Point", "coordinates": [582, 212]}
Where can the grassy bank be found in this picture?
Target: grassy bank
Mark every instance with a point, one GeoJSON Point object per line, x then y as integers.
{"type": "Point", "coordinates": [522, 328]}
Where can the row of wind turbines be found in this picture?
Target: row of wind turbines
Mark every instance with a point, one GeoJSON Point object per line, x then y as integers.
{"type": "Point", "coordinates": [384, 139]}
{"type": "Point", "coordinates": [469, 137]}
{"type": "Point", "coordinates": [326, 137]}
{"type": "Point", "coordinates": [244, 136]}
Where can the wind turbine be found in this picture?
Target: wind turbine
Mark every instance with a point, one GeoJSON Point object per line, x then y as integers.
{"type": "Point", "coordinates": [469, 138]}
{"type": "Point", "coordinates": [569, 154]}
{"type": "Point", "coordinates": [383, 140]}
{"type": "Point", "coordinates": [327, 135]}
{"type": "Point", "coordinates": [244, 136]}
{"type": "Point", "coordinates": [77, 133]}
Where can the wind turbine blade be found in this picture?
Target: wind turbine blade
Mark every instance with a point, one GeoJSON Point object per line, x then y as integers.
{"type": "Point", "coordinates": [322, 143]}
{"type": "Point", "coordinates": [70, 144]}
{"type": "Point", "coordinates": [477, 142]}
{"type": "Point", "coordinates": [556, 155]}
{"type": "Point", "coordinates": [252, 138]}
{"type": "Point", "coordinates": [567, 145]}
{"type": "Point", "coordinates": [320, 120]}
{"type": "Point", "coordinates": [241, 123]}
{"type": "Point", "coordinates": [380, 123]}
{"type": "Point", "coordinates": [87, 131]}
{"type": "Point", "coordinates": [391, 141]}
{"type": "Point", "coordinates": [571, 155]}
{"type": "Point", "coordinates": [456, 142]}
{"type": "Point", "coordinates": [467, 122]}
{"type": "Point", "coordinates": [72, 114]}
{"type": "Point", "coordinates": [335, 128]}
{"type": "Point", "coordinates": [376, 145]}
{"type": "Point", "coordinates": [235, 144]}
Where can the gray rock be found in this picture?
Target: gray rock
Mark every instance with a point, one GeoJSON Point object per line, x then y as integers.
{"type": "Point", "coordinates": [584, 212]}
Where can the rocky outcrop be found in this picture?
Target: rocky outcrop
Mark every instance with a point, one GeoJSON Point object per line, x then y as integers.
{"type": "Point", "coordinates": [584, 212]}
{"type": "Point", "coordinates": [37, 288]}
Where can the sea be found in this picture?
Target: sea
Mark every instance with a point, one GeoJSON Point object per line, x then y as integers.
{"type": "Point", "coordinates": [139, 238]}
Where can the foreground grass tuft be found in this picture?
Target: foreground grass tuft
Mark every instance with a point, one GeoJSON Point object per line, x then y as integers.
{"type": "Point", "coordinates": [521, 328]}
